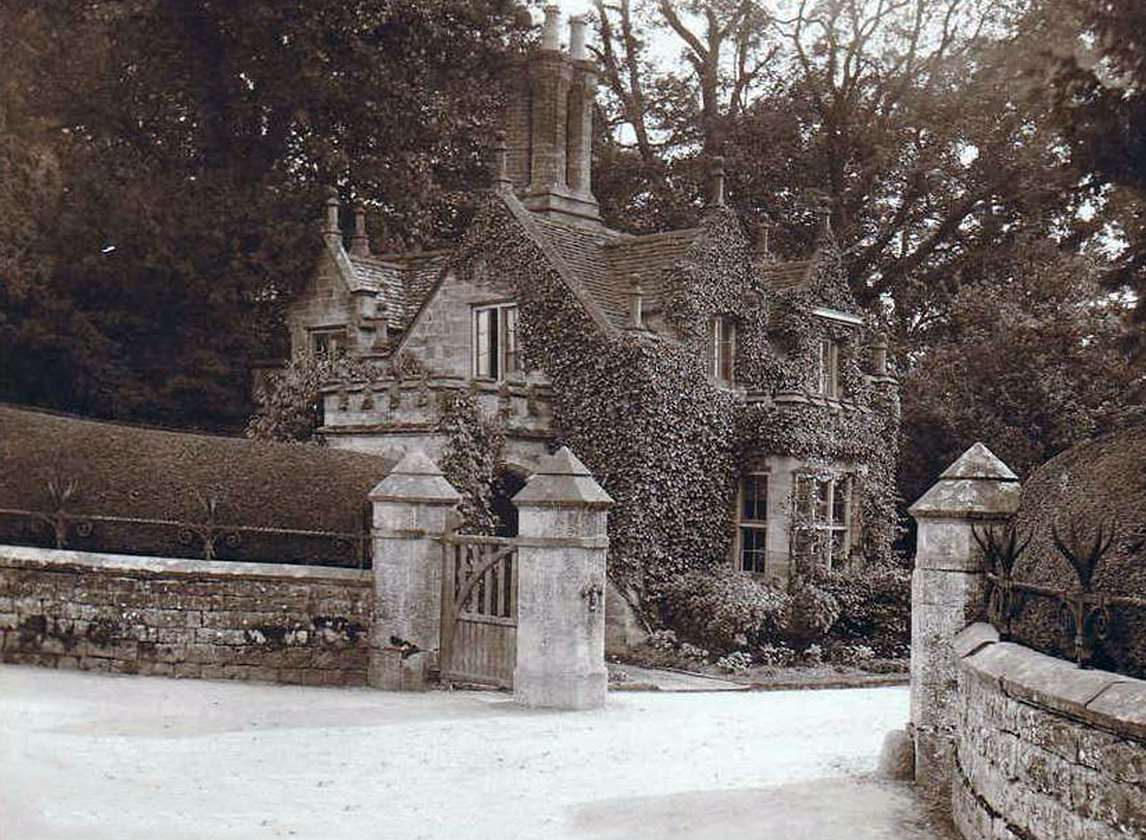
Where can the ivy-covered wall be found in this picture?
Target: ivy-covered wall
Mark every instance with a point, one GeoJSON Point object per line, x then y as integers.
{"type": "Point", "coordinates": [665, 440]}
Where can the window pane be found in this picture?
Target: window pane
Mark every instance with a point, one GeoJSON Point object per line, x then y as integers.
{"type": "Point", "coordinates": [840, 502]}
{"type": "Point", "coordinates": [753, 552]}
{"type": "Point", "coordinates": [727, 348]}
{"type": "Point", "coordinates": [714, 346]}
{"type": "Point", "coordinates": [754, 499]}
{"type": "Point", "coordinates": [485, 342]}
{"type": "Point", "coordinates": [509, 339]}
{"type": "Point", "coordinates": [823, 495]}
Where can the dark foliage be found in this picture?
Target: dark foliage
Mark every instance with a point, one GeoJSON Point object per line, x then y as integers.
{"type": "Point", "coordinates": [1097, 486]}
{"type": "Point", "coordinates": [875, 607]}
{"type": "Point", "coordinates": [125, 471]}
{"type": "Point", "coordinates": [166, 163]}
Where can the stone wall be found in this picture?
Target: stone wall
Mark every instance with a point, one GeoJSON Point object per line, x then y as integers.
{"type": "Point", "coordinates": [1045, 750]}
{"type": "Point", "coordinates": [185, 618]}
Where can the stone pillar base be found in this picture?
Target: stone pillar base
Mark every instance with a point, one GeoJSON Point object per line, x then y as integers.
{"type": "Point", "coordinates": [934, 764]}
{"type": "Point", "coordinates": [547, 690]}
{"type": "Point", "coordinates": [390, 672]}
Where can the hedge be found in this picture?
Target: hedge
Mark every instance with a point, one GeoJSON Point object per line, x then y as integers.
{"type": "Point", "coordinates": [1099, 483]}
{"type": "Point", "coordinates": [124, 471]}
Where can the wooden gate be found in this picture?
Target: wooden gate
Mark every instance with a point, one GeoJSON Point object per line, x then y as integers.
{"type": "Point", "coordinates": [479, 610]}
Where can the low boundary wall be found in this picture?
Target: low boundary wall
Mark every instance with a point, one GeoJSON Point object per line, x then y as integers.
{"type": "Point", "coordinates": [308, 625]}
{"type": "Point", "coordinates": [1044, 749]}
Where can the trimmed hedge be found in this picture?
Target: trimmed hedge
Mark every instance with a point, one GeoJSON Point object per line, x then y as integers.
{"type": "Point", "coordinates": [1102, 482]}
{"type": "Point", "coordinates": [126, 471]}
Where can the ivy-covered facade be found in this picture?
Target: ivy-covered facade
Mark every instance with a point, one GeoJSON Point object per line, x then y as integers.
{"type": "Point", "coordinates": [738, 409]}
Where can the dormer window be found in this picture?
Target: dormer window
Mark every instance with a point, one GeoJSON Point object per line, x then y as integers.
{"type": "Point", "coordinates": [721, 348]}
{"type": "Point", "coordinates": [495, 350]}
{"type": "Point", "coordinates": [829, 368]}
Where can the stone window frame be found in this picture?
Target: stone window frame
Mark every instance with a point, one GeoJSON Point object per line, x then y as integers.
{"type": "Point", "coordinates": [758, 525]}
{"type": "Point", "coordinates": [721, 349]}
{"type": "Point", "coordinates": [828, 368]}
{"type": "Point", "coordinates": [319, 340]}
{"type": "Point", "coordinates": [503, 356]}
{"type": "Point", "coordinates": [830, 515]}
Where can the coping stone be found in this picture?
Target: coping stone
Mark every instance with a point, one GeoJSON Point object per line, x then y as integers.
{"type": "Point", "coordinates": [415, 478]}
{"type": "Point", "coordinates": [979, 462]}
{"type": "Point", "coordinates": [1125, 701]}
{"type": "Point", "coordinates": [1112, 701]}
{"type": "Point", "coordinates": [562, 481]}
{"type": "Point", "coordinates": [978, 484]}
{"type": "Point", "coordinates": [974, 638]}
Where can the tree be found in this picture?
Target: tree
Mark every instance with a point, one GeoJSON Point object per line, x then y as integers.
{"type": "Point", "coordinates": [1097, 84]}
{"type": "Point", "coordinates": [1029, 362]}
{"type": "Point", "coordinates": [903, 119]}
{"type": "Point", "coordinates": [194, 141]}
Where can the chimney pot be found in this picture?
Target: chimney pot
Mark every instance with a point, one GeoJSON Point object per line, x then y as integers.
{"type": "Point", "coordinates": [716, 173]}
{"type": "Point", "coordinates": [360, 242]}
{"type": "Point", "coordinates": [578, 28]}
{"type": "Point", "coordinates": [550, 38]}
{"type": "Point", "coordinates": [636, 303]}
{"type": "Point", "coordinates": [331, 229]}
{"type": "Point", "coordinates": [501, 177]}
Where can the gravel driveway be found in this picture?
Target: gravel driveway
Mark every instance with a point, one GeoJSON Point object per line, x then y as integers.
{"type": "Point", "coordinates": [103, 756]}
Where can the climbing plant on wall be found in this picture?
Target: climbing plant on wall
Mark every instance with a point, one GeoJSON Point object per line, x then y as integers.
{"type": "Point", "coordinates": [639, 409]}
{"type": "Point", "coordinates": [470, 458]}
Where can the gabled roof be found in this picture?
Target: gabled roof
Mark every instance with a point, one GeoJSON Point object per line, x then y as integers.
{"type": "Point", "coordinates": [604, 262]}
{"type": "Point", "coordinates": [402, 280]}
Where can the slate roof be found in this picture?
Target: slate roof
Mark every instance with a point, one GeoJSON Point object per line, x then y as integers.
{"type": "Point", "coordinates": [604, 262]}
{"type": "Point", "coordinates": [404, 280]}
{"type": "Point", "coordinates": [784, 276]}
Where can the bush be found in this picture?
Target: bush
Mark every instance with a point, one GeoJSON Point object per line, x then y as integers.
{"type": "Point", "coordinates": [875, 607]}
{"type": "Point", "coordinates": [808, 615]}
{"type": "Point", "coordinates": [721, 609]}
{"type": "Point", "coordinates": [1096, 486]}
{"type": "Point", "coordinates": [736, 662]}
{"type": "Point", "coordinates": [131, 472]}
{"type": "Point", "coordinates": [775, 655]}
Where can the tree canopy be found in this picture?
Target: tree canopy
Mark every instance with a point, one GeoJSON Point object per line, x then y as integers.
{"type": "Point", "coordinates": [168, 162]}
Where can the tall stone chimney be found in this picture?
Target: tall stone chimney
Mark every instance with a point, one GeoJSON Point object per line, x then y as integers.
{"type": "Point", "coordinates": [549, 126]}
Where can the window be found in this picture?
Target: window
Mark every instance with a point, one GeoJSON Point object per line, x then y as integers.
{"type": "Point", "coordinates": [829, 368]}
{"type": "Point", "coordinates": [496, 353]}
{"type": "Point", "coordinates": [328, 342]}
{"type": "Point", "coordinates": [752, 552]}
{"type": "Point", "coordinates": [721, 348]}
{"type": "Point", "coordinates": [826, 508]}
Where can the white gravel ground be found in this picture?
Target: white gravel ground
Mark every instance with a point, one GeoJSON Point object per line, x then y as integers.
{"type": "Point", "coordinates": [98, 756]}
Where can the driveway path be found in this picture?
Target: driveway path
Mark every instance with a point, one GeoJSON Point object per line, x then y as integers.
{"type": "Point", "coordinates": [103, 756]}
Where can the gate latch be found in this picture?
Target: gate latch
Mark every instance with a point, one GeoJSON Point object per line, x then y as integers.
{"type": "Point", "coordinates": [592, 592]}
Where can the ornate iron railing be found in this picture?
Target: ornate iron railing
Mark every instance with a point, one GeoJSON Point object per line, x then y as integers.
{"type": "Point", "coordinates": [1085, 615]}
{"type": "Point", "coordinates": [207, 539]}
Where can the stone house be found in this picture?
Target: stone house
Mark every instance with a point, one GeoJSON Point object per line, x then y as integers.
{"type": "Point", "coordinates": [771, 363]}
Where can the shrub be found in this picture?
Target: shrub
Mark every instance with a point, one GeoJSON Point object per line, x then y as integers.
{"type": "Point", "coordinates": [775, 655]}
{"type": "Point", "coordinates": [813, 655]}
{"type": "Point", "coordinates": [875, 607]}
{"type": "Point", "coordinates": [851, 655]}
{"type": "Point", "coordinates": [720, 608]}
{"type": "Point", "coordinates": [808, 615]}
{"type": "Point", "coordinates": [690, 651]}
{"type": "Point", "coordinates": [1094, 487]}
{"type": "Point", "coordinates": [736, 662]}
{"type": "Point", "coordinates": [138, 473]}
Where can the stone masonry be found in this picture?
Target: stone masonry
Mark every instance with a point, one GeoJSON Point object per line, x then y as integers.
{"type": "Point", "coordinates": [561, 587]}
{"type": "Point", "coordinates": [947, 594]}
{"type": "Point", "coordinates": [1044, 749]}
{"type": "Point", "coordinates": [184, 618]}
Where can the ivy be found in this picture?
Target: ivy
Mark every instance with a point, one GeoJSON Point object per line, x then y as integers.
{"type": "Point", "coordinates": [470, 458]}
{"type": "Point", "coordinates": [639, 409]}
